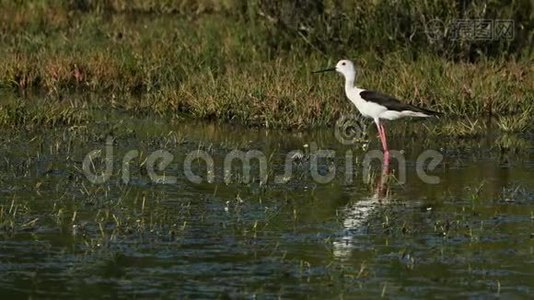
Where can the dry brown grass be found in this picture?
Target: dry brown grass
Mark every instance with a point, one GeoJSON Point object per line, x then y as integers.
{"type": "Point", "coordinates": [216, 67]}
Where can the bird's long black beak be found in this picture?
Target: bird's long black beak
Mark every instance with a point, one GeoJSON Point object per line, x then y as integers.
{"type": "Point", "coordinates": [324, 70]}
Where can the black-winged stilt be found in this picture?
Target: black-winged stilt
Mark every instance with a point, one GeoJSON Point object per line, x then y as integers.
{"type": "Point", "coordinates": [376, 105]}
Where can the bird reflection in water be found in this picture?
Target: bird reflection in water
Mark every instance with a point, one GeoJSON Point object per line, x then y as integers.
{"type": "Point", "coordinates": [356, 215]}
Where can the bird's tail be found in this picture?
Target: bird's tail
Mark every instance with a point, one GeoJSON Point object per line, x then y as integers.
{"type": "Point", "coordinates": [431, 113]}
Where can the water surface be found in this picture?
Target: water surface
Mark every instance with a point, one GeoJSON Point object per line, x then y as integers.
{"type": "Point", "coordinates": [470, 235]}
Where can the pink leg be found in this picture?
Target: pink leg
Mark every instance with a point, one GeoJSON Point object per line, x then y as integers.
{"type": "Point", "coordinates": [380, 133]}
{"type": "Point", "coordinates": [382, 186]}
{"type": "Point", "coordinates": [384, 141]}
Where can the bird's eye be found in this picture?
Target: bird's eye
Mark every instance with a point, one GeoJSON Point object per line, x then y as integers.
{"type": "Point", "coordinates": [343, 64]}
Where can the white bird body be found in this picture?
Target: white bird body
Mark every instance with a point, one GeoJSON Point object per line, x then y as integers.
{"type": "Point", "coordinates": [376, 105]}
{"type": "Point", "coordinates": [369, 108]}
{"type": "Point", "coordinates": [366, 108]}
{"type": "Point", "coordinates": [373, 110]}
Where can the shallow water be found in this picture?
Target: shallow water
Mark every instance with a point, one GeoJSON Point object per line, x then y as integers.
{"type": "Point", "coordinates": [373, 234]}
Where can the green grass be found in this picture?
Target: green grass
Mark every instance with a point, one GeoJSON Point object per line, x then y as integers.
{"type": "Point", "coordinates": [231, 62]}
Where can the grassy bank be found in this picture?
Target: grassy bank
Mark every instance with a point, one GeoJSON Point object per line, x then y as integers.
{"type": "Point", "coordinates": [217, 62]}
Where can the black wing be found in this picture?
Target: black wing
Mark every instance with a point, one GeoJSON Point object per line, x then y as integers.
{"type": "Point", "coordinates": [392, 103]}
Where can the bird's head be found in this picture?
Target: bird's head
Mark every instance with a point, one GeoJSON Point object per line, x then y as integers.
{"type": "Point", "coordinates": [344, 66]}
